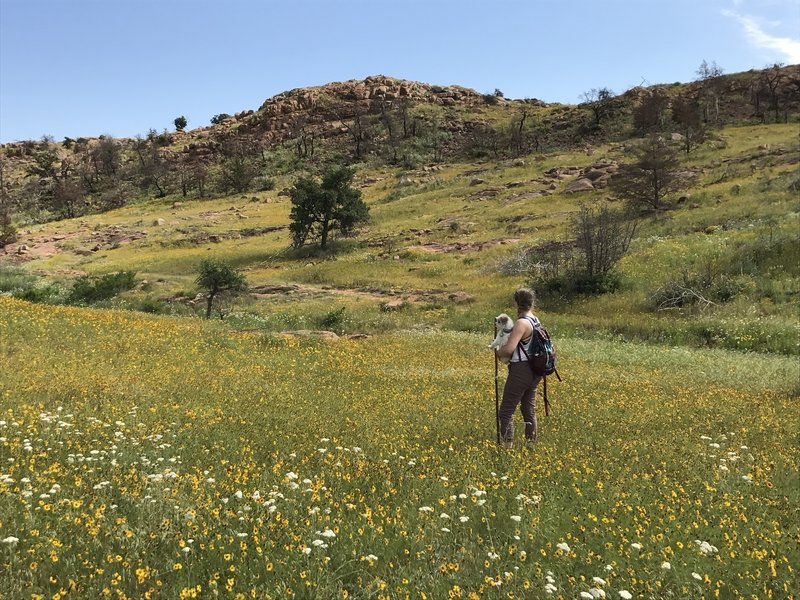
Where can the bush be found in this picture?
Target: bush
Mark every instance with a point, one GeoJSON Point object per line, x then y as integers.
{"type": "Point", "coordinates": [572, 284]}
{"type": "Point", "coordinates": [334, 320]}
{"type": "Point", "coordinates": [151, 306]}
{"type": "Point", "coordinates": [47, 294]}
{"type": "Point", "coordinates": [264, 184]}
{"type": "Point", "coordinates": [89, 289]}
{"type": "Point", "coordinates": [8, 233]}
{"type": "Point", "coordinates": [12, 279]}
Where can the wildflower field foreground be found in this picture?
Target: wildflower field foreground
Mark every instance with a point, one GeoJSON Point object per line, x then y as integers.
{"type": "Point", "coordinates": [151, 457]}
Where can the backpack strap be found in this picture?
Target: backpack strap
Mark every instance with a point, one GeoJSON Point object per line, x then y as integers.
{"type": "Point", "coordinates": [546, 401]}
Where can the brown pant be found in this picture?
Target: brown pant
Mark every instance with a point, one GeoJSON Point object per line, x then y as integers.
{"type": "Point", "coordinates": [520, 389]}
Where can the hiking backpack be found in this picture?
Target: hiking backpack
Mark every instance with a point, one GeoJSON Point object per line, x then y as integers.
{"type": "Point", "coordinates": [541, 355]}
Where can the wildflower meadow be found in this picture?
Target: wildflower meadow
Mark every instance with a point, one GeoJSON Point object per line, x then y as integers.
{"type": "Point", "coordinates": [152, 457]}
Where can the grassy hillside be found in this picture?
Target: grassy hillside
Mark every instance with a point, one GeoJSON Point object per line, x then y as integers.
{"type": "Point", "coordinates": [162, 457]}
{"type": "Point", "coordinates": [446, 241]}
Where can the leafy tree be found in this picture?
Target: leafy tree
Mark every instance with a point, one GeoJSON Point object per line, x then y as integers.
{"type": "Point", "coordinates": [152, 168]}
{"type": "Point", "coordinates": [602, 102]}
{"type": "Point", "coordinates": [106, 157]}
{"type": "Point", "coordinates": [653, 176]}
{"type": "Point", "coordinates": [217, 119]}
{"type": "Point", "coordinates": [238, 170]}
{"type": "Point", "coordinates": [218, 277]}
{"type": "Point", "coordinates": [649, 114]}
{"type": "Point", "coordinates": [687, 114]}
{"type": "Point", "coordinates": [180, 123]}
{"type": "Point", "coordinates": [318, 209]}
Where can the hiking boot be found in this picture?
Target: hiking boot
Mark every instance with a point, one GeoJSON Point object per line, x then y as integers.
{"type": "Point", "coordinates": [508, 445]}
{"type": "Point", "coordinates": [530, 445]}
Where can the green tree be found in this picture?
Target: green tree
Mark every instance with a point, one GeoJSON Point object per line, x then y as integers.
{"type": "Point", "coordinates": [318, 209]}
{"type": "Point", "coordinates": [648, 115]}
{"type": "Point", "coordinates": [652, 178]}
{"type": "Point", "coordinates": [180, 123]}
{"type": "Point", "coordinates": [687, 113]}
{"type": "Point", "coordinates": [217, 277]}
{"type": "Point", "coordinates": [217, 119]}
{"type": "Point", "coordinates": [603, 103]}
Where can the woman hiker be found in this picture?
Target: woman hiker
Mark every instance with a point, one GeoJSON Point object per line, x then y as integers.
{"type": "Point", "coordinates": [520, 387]}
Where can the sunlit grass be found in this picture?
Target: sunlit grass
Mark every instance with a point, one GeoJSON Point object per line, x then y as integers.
{"type": "Point", "coordinates": [155, 457]}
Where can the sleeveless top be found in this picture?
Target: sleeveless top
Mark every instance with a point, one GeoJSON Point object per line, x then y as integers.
{"type": "Point", "coordinates": [517, 355]}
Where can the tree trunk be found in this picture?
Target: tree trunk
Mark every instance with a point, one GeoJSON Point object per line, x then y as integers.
{"type": "Point", "coordinates": [209, 304]}
{"type": "Point", "coordinates": [324, 234]}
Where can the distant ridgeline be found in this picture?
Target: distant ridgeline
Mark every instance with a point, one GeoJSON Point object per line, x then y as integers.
{"type": "Point", "coordinates": [381, 120]}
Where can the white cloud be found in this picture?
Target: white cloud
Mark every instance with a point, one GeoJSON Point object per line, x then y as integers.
{"type": "Point", "coordinates": [787, 47]}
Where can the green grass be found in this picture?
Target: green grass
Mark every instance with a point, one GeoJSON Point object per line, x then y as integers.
{"type": "Point", "coordinates": [303, 469]}
{"type": "Point", "coordinates": [737, 230]}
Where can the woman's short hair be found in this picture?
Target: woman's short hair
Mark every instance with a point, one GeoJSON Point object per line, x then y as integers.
{"type": "Point", "coordinates": [525, 298]}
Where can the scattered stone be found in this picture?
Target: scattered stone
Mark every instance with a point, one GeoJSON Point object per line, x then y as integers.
{"type": "Point", "coordinates": [393, 305]}
{"type": "Point", "coordinates": [579, 185]}
{"type": "Point", "coordinates": [460, 297]}
{"type": "Point", "coordinates": [477, 181]}
{"type": "Point", "coordinates": [159, 222]}
{"type": "Point", "coordinates": [328, 336]}
{"type": "Point", "coordinates": [357, 336]}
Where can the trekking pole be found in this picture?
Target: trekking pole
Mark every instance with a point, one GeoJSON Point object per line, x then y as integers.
{"type": "Point", "coordinates": [496, 391]}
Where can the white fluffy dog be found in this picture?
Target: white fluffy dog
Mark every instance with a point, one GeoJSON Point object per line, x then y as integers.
{"type": "Point", "coordinates": [504, 325]}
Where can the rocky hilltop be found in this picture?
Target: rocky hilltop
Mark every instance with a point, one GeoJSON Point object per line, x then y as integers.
{"type": "Point", "coordinates": [394, 121]}
{"type": "Point", "coordinates": [326, 110]}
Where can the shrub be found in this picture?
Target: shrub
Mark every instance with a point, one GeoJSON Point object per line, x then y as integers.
{"type": "Point", "coordinates": [334, 320]}
{"type": "Point", "coordinates": [264, 184]}
{"type": "Point", "coordinates": [8, 233]}
{"type": "Point", "coordinates": [151, 306]}
{"type": "Point", "coordinates": [88, 289]}
{"type": "Point", "coordinates": [12, 279]}
{"type": "Point", "coordinates": [47, 294]}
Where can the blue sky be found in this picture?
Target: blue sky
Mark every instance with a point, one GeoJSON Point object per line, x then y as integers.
{"type": "Point", "coordinates": [120, 67]}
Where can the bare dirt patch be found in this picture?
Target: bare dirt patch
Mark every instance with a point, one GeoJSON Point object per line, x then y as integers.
{"type": "Point", "coordinates": [84, 241]}
{"type": "Point", "coordinates": [389, 299]}
{"type": "Point", "coordinates": [460, 247]}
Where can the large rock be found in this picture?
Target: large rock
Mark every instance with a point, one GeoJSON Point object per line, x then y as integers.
{"type": "Point", "coordinates": [579, 185]}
